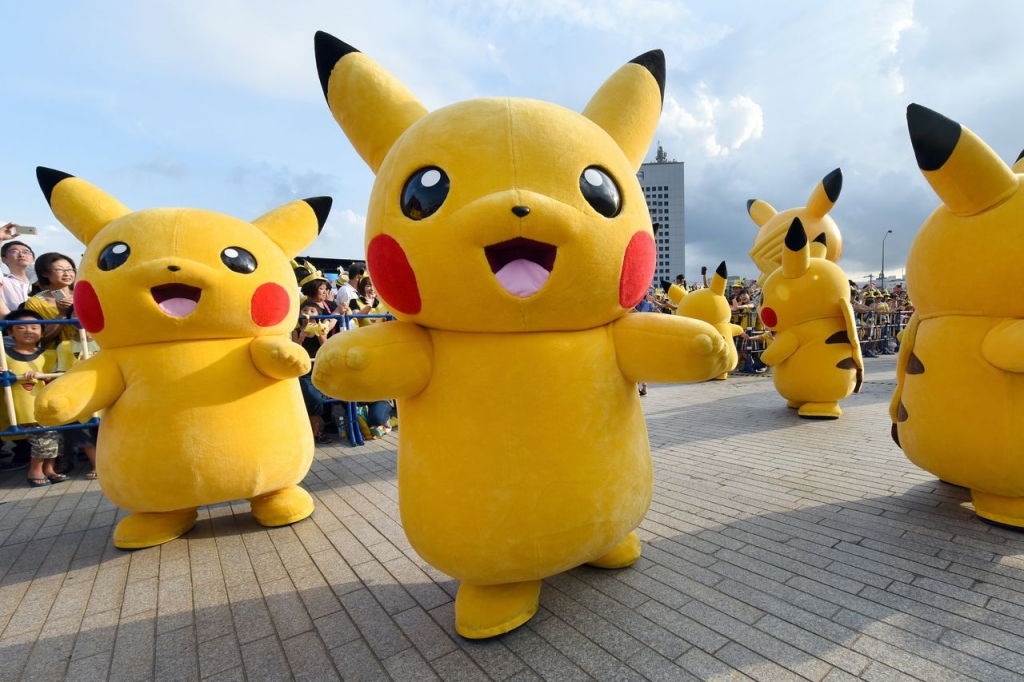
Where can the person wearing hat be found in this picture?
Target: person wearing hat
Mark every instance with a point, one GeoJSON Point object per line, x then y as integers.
{"type": "Point", "coordinates": [316, 290]}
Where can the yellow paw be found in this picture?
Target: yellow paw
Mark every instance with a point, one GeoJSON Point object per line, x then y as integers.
{"type": "Point", "coordinates": [148, 529]}
{"type": "Point", "coordinates": [282, 507]}
{"type": "Point", "coordinates": [820, 411]}
{"type": "Point", "coordinates": [623, 554]}
{"type": "Point", "coordinates": [483, 611]}
{"type": "Point", "coordinates": [1006, 511]}
{"type": "Point", "coordinates": [53, 411]}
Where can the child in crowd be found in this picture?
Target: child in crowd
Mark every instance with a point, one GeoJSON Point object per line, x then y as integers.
{"type": "Point", "coordinates": [27, 359]}
{"type": "Point", "coordinates": [69, 353]}
{"type": "Point", "coordinates": [311, 334]}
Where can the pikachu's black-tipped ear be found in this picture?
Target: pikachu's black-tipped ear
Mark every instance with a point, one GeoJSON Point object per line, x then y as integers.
{"type": "Point", "coordinates": [825, 194]}
{"type": "Point", "coordinates": [760, 211]}
{"type": "Point", "coordinates": [48, 179]}
{"type": "Point", "coordinates": [819, 246]}
{"type": "Point", "coordinates": [329, 51]}
{"type": "Point", "coordinates": [719, 279]}
{"type": "Point", "coordinates": [964, 171]}
{"type": "Point", "coordinates": [321, 207]}
{"type": "Point", "coordinates": [295, 225]}
{"type": "Point", "coordinates": [722, 271]}
{"type": "Point", "coordinates": [370, 105]}
{"type": "Point", "coordinates": [628, 105]}
{"type": "Point", "coordinates": [79, 206]}
{"type": "Point", "coordinates": [796, 257]}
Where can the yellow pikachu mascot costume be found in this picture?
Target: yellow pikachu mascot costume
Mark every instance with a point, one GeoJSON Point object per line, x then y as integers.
{"type": "Point", "coordinates": [958, 409]}
{"type": "Point", "coordinates": [540, 209]}
{"type": "Point", "coordinates": [197, 376]}
{"type": "Point", "coordinates": [815, 355]}
{"type": "Point", "coordinates": [767, 249]}
{"type": "Point", "coordinates": [711, 306]}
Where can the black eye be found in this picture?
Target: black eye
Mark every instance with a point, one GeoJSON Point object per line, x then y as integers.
{"type": "Point", "coordinates": [114, 256]}
{"type": "Point", "coordinates": [238, 259]}
{"type": "Point", "coordinates": [424, 192]}
{"type": "Point", "coordinates": [600, 191]}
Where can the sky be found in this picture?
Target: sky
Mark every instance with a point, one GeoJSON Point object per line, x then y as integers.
{"type": "Point", "coordinates": [216, 104]}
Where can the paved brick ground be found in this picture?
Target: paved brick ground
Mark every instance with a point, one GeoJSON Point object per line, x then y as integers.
{"type": "Point", "coordinates": [776, 549]}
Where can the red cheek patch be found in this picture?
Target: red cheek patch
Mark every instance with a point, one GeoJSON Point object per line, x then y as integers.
{"type": "Point", "coordinates": [637, 269]}
{"type": "Point", "coordinates": [87, 308]}
{"type": "Point", "coordinates": [393, 276]}
{"type": "Point", "coordinates": [768, 317]}
{"type": "Point", "coordinates": [270, 304]}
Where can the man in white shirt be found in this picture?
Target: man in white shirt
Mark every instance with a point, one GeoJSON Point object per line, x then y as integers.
{"type": "Point", "coordinates": [347, 291]}
{"type": "Point", "coordinates": [18, 257]}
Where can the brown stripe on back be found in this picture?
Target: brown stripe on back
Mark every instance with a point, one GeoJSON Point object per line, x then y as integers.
{"type": "Point", "coordinates": [896, 435]}
{"type": "Point", "coordinates": [914, 365]}
{"type": "Point", "coordinates": [839, 337]}
{"type": "Point", "coordinates": [847, 363]}
{"type": "Point", "coordinates": [901, 415]}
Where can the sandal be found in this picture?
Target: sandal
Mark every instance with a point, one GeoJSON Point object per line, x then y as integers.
{"type": "Point", "coordinates": [38, 482]}
{"type": "Point", "coordinates": [57, 478]}
{"type": "Point", "coordinates": [323, 440]}
{"type": "Point", "coordinates": [91, 476]}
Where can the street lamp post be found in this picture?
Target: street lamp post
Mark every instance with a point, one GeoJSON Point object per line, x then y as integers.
{"type": "Point", "coordinates": [881, 275]}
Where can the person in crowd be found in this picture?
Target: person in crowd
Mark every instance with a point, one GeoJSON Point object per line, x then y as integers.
{"type": "Point", "coordinates": [311, 334]}
{"type": "Point", "coordinates": [69, 354]}
{"type": "Point", "coordinates": [55, 280]}
{"type": "Point", "coordinates": [316, 291]}
{"type": "Point", "coordinates": [646, 305]}
{"type": "Point", "coordinates": [18, 258]}
{"type": "Point", "coordinates": [26, 358]}
{"type": "Point", "coordinates": [366, 303]}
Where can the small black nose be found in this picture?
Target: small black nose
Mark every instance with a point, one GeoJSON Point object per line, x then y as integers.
{"type": "Point", "coordinates": [521, 211]}
{"type": "Point", "coordinates": [174, 268]}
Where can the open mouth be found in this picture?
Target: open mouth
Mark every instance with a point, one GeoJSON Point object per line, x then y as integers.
{"type": "Point", "coordinates": [177, 300]}
{"type": "Point", "coordinates": [521, 265]}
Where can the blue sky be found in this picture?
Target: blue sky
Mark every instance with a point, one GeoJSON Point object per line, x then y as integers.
{"type": "Point", "coordinates": [216, 104]}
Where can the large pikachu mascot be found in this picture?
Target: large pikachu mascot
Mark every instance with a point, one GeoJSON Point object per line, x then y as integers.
{"type": "Point", "coordinates": [816, 353]}
{"type": "Point", "coordinates": [768, 244]}
{"type": "Point", "coordinates": [533, 212]}
{"type": "Point", "coordinates": [196, 377]}
{"type": "Point", "coordinates": [711, 306]}
{"type": "Point", "coordinates": [958, 410]}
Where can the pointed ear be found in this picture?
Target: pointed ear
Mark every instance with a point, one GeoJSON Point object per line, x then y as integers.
{"type": "Point", "coordinates": [819, 247]}
{"type": "Point", "coordinates": [964, 171]}
{"type": "Point", "coordinates": [628, 105]}
{"type": "Point", "coordinates": [82, 208]}
{"type": "Point", "coordinates": [825, 195]}
{"type": "Point", "coordinates": [718, 280]}
{"type": "Point", "coordinates": [796, 254]}
{"type": "Point", "coordinates": [1018, 165]}
{"type": "Point", "coordinates": [760, 211]}
{"type": "Point", "coordinates": [296, 225]}
{"type": "Point", "coordinates": [676, 293]}
{"type": "Point", "coordinates": [370, 105]}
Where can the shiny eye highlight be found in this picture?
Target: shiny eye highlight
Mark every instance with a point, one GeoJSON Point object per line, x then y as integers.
{"type": "Point", "coordinates": [238, 260]}
{"type": "Point", "coordinates": [114, 256]}
{"type": "Point", "coordinates": [424, 192]}
{"type": "Point", "coordinates": [600, 191]}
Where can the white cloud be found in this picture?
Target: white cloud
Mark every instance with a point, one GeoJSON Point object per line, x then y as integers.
{"type": "Point", "coordinates": [711, 127]}
{"type": "Point", "coordinates": [342, 236]}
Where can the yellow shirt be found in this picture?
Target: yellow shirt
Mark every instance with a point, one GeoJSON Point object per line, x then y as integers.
{"type": "Point", "coordinates": [24, 391]}
{"type": "Point", "coordinates": [49, 311]}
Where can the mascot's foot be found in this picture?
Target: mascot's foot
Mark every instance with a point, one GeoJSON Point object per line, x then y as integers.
{"type": "Point", "coordinates": [148, 529]}
{"type": "Point", "coordinates": [483, 611]}
{"type": "Point", "coordinates": [721, 377]}
{"type": "Point", "coordinates": [793, 405]}
{"type": "Point", "coordinates": [282, 507]}
{"type": "Point", "coordinates": [820, 411]}
{"type": "Point", "coordinates": [1004, 511]}
{"type": "Point", "coordinates": [623, 554]}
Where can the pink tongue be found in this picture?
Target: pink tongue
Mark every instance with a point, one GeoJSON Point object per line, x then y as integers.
{"type": "Point", "coordinates": [178, 307]}
{"type": "Point", "coordinates": [522, 278]}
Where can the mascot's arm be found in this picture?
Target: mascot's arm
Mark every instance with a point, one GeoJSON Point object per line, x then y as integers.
{"type": "Point", "coordinates": [88, 387]}
{"type": "Point", "coordinates": [1003, 347]}
{"type": "Point", "coordinates": [278, 357]}
{"type": "Point", "coordinates": [383, 361]}
{"type": "Point", "coordinates": [783, 345]}
{"type": "Point", "coordinates": [907, 338]}
{"type": "Point", "coordinates": [653, 347]}
{"type": "Point", "coordinates": [851, 333]}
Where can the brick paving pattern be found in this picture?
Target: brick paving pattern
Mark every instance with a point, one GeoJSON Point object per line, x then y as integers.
{"type": "Point", "coordinates": [775, 549]}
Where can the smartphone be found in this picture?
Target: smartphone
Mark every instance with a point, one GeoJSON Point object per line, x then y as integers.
{"type": "Point", "coordinates": [57, 294]}
{"type": "Point", "coordinates": [25, 229]}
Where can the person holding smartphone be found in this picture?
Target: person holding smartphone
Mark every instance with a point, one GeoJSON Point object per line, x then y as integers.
{"type": "Point", "coordinates": [55, 275]}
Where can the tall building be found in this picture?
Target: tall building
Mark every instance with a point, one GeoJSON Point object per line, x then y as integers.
{"type": "Point", "coordinates": [662, 182]}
